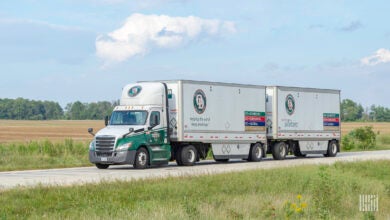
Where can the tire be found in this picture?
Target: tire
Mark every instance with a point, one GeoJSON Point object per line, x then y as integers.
{"type": "Point", "coordinates": [141, 159]}
{"type": "Point", "coordinates": [102, 166]}
{"type": "Point", "coordinates": [332, 149]}
{"type": "Point", "coordinates": [256, 153]}
{"type": "Point", "coordinates": [279, 151]}
{"type": "Point", "coordinates": [188, 155]}
{"type": "Point", "coordinates": [178, 157]}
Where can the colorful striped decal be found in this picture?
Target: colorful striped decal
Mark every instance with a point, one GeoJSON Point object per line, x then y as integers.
{"type": "Point", "coordinates": [331, 121]}
{"type": "Point", "coordinates": [254, 121]}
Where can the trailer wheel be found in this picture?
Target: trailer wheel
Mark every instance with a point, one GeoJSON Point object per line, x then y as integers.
{"type": "Point", "coordinates": [256, 152]}
{"type": "Point", "coordinates": [279, 151]}
{"type": "Point", "coordinates": [141, 159]}
{"type": "Point", "coordinates": [332, 149]}
{"type": "Point", "coordinates": [188, 155]}
{"type": "Point", "coordinates": [102, 166]}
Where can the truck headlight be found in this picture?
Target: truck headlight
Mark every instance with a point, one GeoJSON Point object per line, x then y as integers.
{"type": "Point", "coordinates": [92, 145]}
{"type": "Point", "coordinates": [124, 147]}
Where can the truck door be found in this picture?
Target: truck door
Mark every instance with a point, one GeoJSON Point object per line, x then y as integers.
{"type": "Point", "coordinates": [156, 136]}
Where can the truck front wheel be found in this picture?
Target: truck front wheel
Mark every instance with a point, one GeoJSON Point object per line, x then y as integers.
{"type": "Point", "coordinates": [141, 159]}
{"type": "Point", "coordinates": [102, 166]}
{"type": "Point", "coordinates": [279, 151]}
{"type": "Point", "coordinates": [188, 155]}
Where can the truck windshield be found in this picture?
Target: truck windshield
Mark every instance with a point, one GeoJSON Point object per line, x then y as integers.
{"type": "Point", "coordinates": [128, 118]}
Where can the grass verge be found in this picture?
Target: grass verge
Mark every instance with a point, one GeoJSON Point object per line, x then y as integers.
{"type": "Point", "coordinates": [43, 154]}
{"type": "Point", "coordinates": [383, 142]}
{"type": "Point", "coordinates": [304, 192]}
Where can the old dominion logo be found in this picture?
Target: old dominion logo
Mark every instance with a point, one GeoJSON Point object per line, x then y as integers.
{"type": "Point", "coordinates": [134, 91]}
{"type": "Point", "coordinates": [290, 104]}
{"type": "Point", "coordinates": [199, 101]}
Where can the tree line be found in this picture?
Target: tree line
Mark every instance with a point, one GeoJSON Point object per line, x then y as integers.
{"type": "Point", "coordinates": [24, 109]}
{"type": "Point", "coordinates": [352, 111]}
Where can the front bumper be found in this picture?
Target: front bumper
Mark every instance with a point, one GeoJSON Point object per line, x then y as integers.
{"type": "Point", "coordinates": [122, 157]}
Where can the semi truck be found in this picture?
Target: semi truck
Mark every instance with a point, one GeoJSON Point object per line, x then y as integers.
{"type": "Point", "coordinates": [182, 120]}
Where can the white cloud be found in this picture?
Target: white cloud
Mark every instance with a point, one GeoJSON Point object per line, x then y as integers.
{"type": "Point", "coordinates": [380, 56]}
{"type": "Point", "coordinates": [141, 33]}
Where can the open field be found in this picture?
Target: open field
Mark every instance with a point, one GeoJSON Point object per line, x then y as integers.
{"type": "Point", "coordinates": [382, 127]}
{"type": "Point", "coordinates": [58, 130]}
{"type": "Point", "coordinates": [302, 192]}
{"type": "Point", "coordinates": [53, 130]}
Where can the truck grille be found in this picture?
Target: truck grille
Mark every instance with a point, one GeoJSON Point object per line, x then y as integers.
{"type": "Point", "coordinates": [105, 143]}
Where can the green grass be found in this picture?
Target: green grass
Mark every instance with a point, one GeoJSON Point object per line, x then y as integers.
{"type": "Point", "coordinates": [43, 154]}
{"type": "Point", "coordinates": [324, 192]}
{"type": "Point", "coordinates": [382, 143]}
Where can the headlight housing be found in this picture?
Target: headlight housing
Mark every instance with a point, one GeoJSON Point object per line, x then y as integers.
{"type": "Point", "coordinates": [92, 145]}
{"type": "Point", "coordinates": [124, 147]}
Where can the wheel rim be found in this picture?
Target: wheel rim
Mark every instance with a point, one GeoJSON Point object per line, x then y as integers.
{"type": "Point", "coordinates": [142, 158]}
{"type": "Point", "coordinates": [334, 148]}
{"type": "Point", "coordinates": [258, 152]}
{"type": "Point", "coordinates": [191, 155]}
{"type": "Point", "coordinates": [282, 150]}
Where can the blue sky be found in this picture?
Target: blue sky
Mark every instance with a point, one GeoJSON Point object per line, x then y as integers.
{"type": "Point", "coordinates": [88, 50]}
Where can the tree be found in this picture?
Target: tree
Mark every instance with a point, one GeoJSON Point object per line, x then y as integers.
{"type": "Point", "coordinates": [53, 110]}
{"type": "Point", "coordinates": [380, 113]}
{"type": "Point", "coordinates": [24, 109]}
{"type": "Point", "coordinates": [350, 110]}
{"type": "Point", "coordinates": [77, 111]}
{"type": "Point", "coordinates": [94, 110]}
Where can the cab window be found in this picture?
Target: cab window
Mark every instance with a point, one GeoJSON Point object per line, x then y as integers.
{"type": "Point", "coordinates": [154, 118]}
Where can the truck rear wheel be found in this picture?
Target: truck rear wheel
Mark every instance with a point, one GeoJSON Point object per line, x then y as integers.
{"type": "Point", "coordinates": [279, 151]}
{"type": "Point", "coordinates": [256, 152]}
{"type": "Point", "coordinates": [188, 155]}
{"type": "Point", "coordinates": [102, 166]}
{"type": "Point", "coordinates": [332, 149]}
{"type": "Point", "coordinates": [178, 157]}
{"type": "Point", "coordinates": [141, 159]}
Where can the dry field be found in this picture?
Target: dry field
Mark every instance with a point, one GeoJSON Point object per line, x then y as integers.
{"type": "Point", "coordinates": [382, 127]}
{"type": "Point", "coordinates": [58, 130]}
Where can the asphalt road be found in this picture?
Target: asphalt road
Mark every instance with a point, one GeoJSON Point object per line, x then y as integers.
{"type": "Point", "coordinates": [83, 175]}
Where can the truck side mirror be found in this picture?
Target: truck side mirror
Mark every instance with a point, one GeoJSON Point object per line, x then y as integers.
{"type": "Point", "coordinates": [106, 120]}
{"type": "Point", "coordinates": [131, 130]}
{"type": "Point", "coordinates": [90, 130]}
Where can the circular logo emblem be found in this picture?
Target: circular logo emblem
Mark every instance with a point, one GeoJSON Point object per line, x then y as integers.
{"type": "Point", "coordinates": [199, 101]}
{"type": "Point", "coordinates": [134, 91]}
{"type": "Point", "coordinates": [290, 104]}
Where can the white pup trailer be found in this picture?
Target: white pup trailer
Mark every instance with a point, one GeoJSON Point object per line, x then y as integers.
{"type": "Point", "coordinates": [302, 121]}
